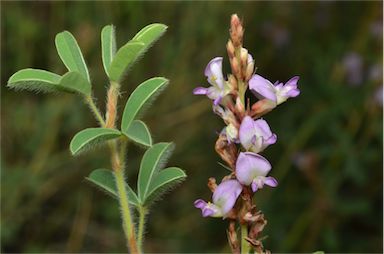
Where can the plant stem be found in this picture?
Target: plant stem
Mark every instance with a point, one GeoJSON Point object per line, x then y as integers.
{"type": "Point", "coordinates": [125, 211]}
{"type": "Point", "coordinates": [111, 107]}
{"type": "Point", "coordinates": [118, 165]}
{"type": "Point", "coordinates": [140, 234]}
{"type": "Point", "coordinates": [244, 243]}
{"type": "Point", "coordinates": [242, 90]}
{"type": "Point", "coordinates": [95, 110]}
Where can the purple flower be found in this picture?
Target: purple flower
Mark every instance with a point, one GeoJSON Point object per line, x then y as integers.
{"type": "Point", "coordinates": [278, 92]}
{"type": "Point", "coordinates": [224, 198]}
{"type": "Point", "coordinates": [353, 67]}
{"type": "Point", "coordinates": [219, 86]}
{"type": "Point", "coordinates": [252, 169]}
{"type": "Point", "coordinates": [256, 135]}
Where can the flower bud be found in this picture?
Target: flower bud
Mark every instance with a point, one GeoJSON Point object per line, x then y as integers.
{"type": "Point", "coordinates": [250, 70]}
{"type": "Point", "coordinates": [236, 31]}
{"type": "Point", "coordinates": [233, 82]}
{"type": "Point", "coordinates": [236, 67]}
{"type": "Point", "coordinates": [230, 49]}
{"type": "Point", "coordinates": [262, 107]}
{"type": "Point", "coordinates": [244, 56]}
{"type": "Point", "coordinates": [212, 184]}
{"type": "Point", "coordinates": [239, 105]}
{"type": "Point", "coordinates": [226, 150]}
{"type": "Point", "coordinates": [232, 133]}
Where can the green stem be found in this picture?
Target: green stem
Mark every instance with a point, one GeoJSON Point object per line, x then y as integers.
{"type": "Point", "coordinates": [242, 92]}
{"type": "Point", "coordinates": [140, 234]}
{"type": "Point", "coordinates": [95, 110]}
{"type": "Point", "coordinates": [125, 211]}
{"type": "Point", "coordinates": [244, 243]}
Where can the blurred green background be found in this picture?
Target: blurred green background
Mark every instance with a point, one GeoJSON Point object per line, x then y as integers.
{"type": "Point", "coordinates": [328, 158]}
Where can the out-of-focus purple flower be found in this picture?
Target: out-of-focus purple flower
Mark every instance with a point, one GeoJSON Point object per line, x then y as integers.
{"type": "Point", "coordinates": [256, 135]}
{"type": "Point", "coordinates": [375, 72]}
{"type": "Point", "coordinates": [376, 29]}
{"type": "Point", "coordinates": [353, 67]}
{"type": "Point", "coordinates": [224, 198]}
{"type": "Point", "coordinates": [252, 169]}
{"type": "Point", "coordinates": [278, 34]}
{"type": "Point", "coordinates": [278, 92]}
{"type": "Point", "coordinates": [219, 86]}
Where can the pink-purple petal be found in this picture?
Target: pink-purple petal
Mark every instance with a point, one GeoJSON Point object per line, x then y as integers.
{"type": "Point", "coordinates": [217, 101]}
{"type": "Point", "coordinates": [249, 166]}
{"type": "Point", "coordinates": [270, 181]}
{"type": "Point", "coordinates": [254, 186]}
{"type": "Point", "coordinates": [226, 194]}
{"type": "Point", "coordinates": [271, 140]}
{"type": "Point", "coordinates": [200, 203]}
{"type": "Point", "coordinates": [262, 87]}
{"type": "Point", "coordinates": [293, 81]}
{"type": "Point", "coordinates": [200, 90]}
{"type": "Point", "coordinates": [207, 211]}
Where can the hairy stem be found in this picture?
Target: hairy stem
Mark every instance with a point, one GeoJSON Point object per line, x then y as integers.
{"type": "Point", "coordinates": [129, 230]}
{"type": "Point", "coordinates": [111, 108]}
{"type": "Point", "coordinates": [89, 100]}
{"type": "Point", "coordinates": [119, 165]}
{"type": "Point", "coordinates": [244, 243]}
{"type": "Point", "coordinates": [140, 234]}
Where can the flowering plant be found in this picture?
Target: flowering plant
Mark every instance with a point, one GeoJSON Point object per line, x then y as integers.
{"type": "Point", "coordinates": [153, 180]}
{"type": "Point", "coordinates": [242, 140]}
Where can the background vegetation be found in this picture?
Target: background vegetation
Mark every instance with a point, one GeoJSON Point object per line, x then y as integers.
{"type": "Point", "coordinates": [328, 158]}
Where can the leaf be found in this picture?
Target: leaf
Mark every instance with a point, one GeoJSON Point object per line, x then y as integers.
{"type": "Point", "coordinates": [153, 160]}
{"type": "Point", "coordinates": [165, 180]}
{"type": "Point", "coordinates": [34, 80]}
{"type": "Point", "coordinates": [133, 50]}
{"type": "Point", "coordinates": [139, 133]}
{"type": "Point", "coordinates": [41, 80]}
{"type": "Point", "coordinates": [90, 137]}
{"type": "Point", "coordinates": [124, 59]}
{"type": "Point", "coordinates": [150, 34]}
{"type": "Point", "coordinates": [70, 53]}
{"type": "Point", "coordinates": [74, 81]}
{"type": "Point", "coordinates": [141, 97]}
{"type": "Point", "coordinates": [105, 179]}
{"type": "Point", "coordinates": [108, 46]}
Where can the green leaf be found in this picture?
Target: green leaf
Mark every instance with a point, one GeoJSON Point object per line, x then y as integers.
{"type": "Point", "coordinates": [150, 34]}
{"type": "Point", "coordinates": [133, 50]}
{"type": "Point", "coordinates": [34, 80]}
{"type": "Point", "coordinates": [108, 46]}
{"type": "Point", "coordinates": [141, 97]}
{"type": "Point", "coordinates": [90, 137]}
{"type": "Point", "coordinates": [124, 59]}
{"type": "Point", "coordinates": [105, 180]}
{"type": "Point", "coordinates": [139, 133]}
{"type": "Point", "coordinates": [164, 181]}
{"type": "Point", "coordinates": [153, 160]}
{"type": "Point", "coordinates": [45, 81]}
{"type": "Point", "coordinates": [70, 53]}
{"type": "Point", "coordinates": [74, 81]}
